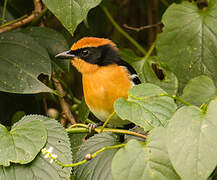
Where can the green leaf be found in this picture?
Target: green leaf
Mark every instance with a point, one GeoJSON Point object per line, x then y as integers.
{"type": "Point", "coordinates": [22, 143]}
{"type": "Point", "coordinates": [100, 166]}
{"type": "Point", "coordinates": [169, 83]}
{"type": "Point", "coordinates": [76, 141]}
{"type": "Point", "coordinates": [137, 130]}
{"type": "Point", "coordinates": [145, 108]}
{"type": "Point", "coordinates": [71, 12]}
{"type": "Point", "coordinates": [199, 90]}
{"type": "Point", "coordinates": [137, 161]}
{"type": "Point", "coordinates": [22, 60]}
{"type": "Point", "coordinates": [188, 46]}
{"type": "Point", "coordinates": [191, 141]}
{"type": "Point", "coordinates": [146, 73]}
{"type": "Point", "coordinates": [41, 168]}
{"type": "Point", "coordinates": [53, 41]}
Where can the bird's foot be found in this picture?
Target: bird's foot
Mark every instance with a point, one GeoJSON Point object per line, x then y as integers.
{"type": "Point", "coordinates": [91, 126]}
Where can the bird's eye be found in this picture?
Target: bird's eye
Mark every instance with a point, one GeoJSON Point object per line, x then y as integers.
{"type": "Point", "coordinates": [85, 52]}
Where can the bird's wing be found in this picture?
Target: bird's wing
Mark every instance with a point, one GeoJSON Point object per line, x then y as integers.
{"type": "Point", "coordinates": [131, 70]}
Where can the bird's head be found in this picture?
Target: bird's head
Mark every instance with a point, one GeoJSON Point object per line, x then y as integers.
{"type": "Point", "coordinates": [89, 53]}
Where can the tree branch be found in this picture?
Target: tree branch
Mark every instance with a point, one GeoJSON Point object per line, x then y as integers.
{"type": "Point", "coordinates": [66, 113]}
{"type": "Point", "coordinates": [142, 27]}
{"type": "Point", "coordinates": [35, 13]}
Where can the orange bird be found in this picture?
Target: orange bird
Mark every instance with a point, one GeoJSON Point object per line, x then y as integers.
{"type": "Point", "coordinates": [105, 77]}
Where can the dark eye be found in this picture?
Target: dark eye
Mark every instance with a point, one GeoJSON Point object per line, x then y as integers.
{"type": "Point", "coordinates": [85, 52]}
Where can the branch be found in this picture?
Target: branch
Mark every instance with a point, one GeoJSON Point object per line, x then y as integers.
{"type": "Point", "coordinates": [125, 34]}
{"type": "Point", "coordinates": [142, 27]}
{"type": "Point", "coordinates": [66, 113]}
{"type": "Point", "coordinates": [35, 13]}
{"type": "Point", "coordinates": [72, 129]}
{"type": "Point", "coordinates": [88, 157]}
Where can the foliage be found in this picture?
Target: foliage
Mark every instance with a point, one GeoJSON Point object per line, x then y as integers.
{"type": "Point", "coordinates": [174, 108]}
{"type": "Point", "coordinates": [145, 108]}
{"type": "Point", "coordinates": [41, 168]}
{"type": "Point", "coordinates": [22, 143]}
{"type": "Point", "coordinates": [144, 161]}
{"type": "Point", "coordinates": [18, 75]}
{"type": "Point", "coordinates": [194, 54]}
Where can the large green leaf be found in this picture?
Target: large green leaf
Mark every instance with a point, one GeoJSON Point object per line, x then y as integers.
{"type": "Point", "coordinates": [141, 162]}
{"type": "Point", "coordinates": [41, 168]}
{"type": "Point", "coordinates": [71, 12]}
{"type": "Point", "coordinates": [100, 166]}
{"type": "Point", "coordinates": [145, 108]}
{"type": "Point", "coordinates": [22, 60]}
{"type": "Point", "coordinates": [188, 42]}
{"type": "Point", "coordinates": [168, 83]}
{"type": "Point", "coordinates": [191, 141]}
{"type": "Point", "coordinates": [146, 73]}
{"type": "Point", "coordinates": [22, 143]}
{"type": "Point", "coordinates": [199, 90]}
{"type": "Point", "coordinates": [76, 141]}
{"type": "Point", "coordinates": [53, 41]}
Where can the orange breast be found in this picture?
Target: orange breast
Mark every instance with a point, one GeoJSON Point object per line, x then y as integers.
{"type": "Point", "coordinates": [104, 86]}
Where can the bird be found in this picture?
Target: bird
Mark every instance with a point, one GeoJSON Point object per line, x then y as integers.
{"type": "Point", "coordinates": [105, 76]}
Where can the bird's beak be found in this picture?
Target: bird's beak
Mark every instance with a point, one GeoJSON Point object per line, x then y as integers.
{"type": "Point", "coordinates": [65, 55]}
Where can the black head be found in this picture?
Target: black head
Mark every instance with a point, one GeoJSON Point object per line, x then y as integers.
{"type": "Point", "coordinates": [101, 55]}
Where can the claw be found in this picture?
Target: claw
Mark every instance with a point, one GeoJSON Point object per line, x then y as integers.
{"type": "Point", "coordinates": [91, 127]}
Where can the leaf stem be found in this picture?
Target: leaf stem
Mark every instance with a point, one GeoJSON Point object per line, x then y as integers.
{"type": "Point", "coordinates": [4, 11]}
{"type": "Point", "coordinates": [76, 125]}
{"type": "Point", "coordinates": [107, 120]}
{"type": "Point", "coordinates": [176, 98]}
{"type": "Point", "coordinates": [122, 131]}
{"type": "Point", "coordinates": [125, 34]}
{"type": "Point", "coordinates": [13, 21]}
{"type": "Point", "coordinates": [77, 130]}
{"type": "Point", "coordinates": [85, 129]}
{"type": "Point", "coordinates": [85, 160]}
{"type": "Point", "coordinates": [151, 49]}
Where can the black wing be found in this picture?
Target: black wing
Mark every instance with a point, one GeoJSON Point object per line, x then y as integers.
{"type": "Point", "coordinates": [132, 71]}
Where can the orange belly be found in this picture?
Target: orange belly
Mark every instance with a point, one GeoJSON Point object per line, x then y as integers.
{"type": "Point", "coordinates": [103, 87]}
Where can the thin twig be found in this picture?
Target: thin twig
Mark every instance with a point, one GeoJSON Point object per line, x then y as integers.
{"type": "Point", "coordinates": [66, 113]}
{"type": "Point", "coordinates": [74, 129]}
{"type": "Point", "coordinates": [50, 155]}
{"type": "Point", "coordinates": [14, 21]}
{"type": "Point", "coordinates": [107, 120]}
{"type": "Point", "coordinates": [35, 13]}
{"type": "Point", "coordinates": [63, 121]}
{"type": "Point", "coordinates": [176, 98]}
{"type": "Point", "coordinates": [142, 27]}
{"type": "Point", "coordinates": [150, 51]}
{"type": "Point", "coordinates": [125, 34]}
{"type": "Point", "coordinates": [4, 11]}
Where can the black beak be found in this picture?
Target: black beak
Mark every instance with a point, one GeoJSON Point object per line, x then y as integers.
{"type": "Point", "coordinates": [65, 55]}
